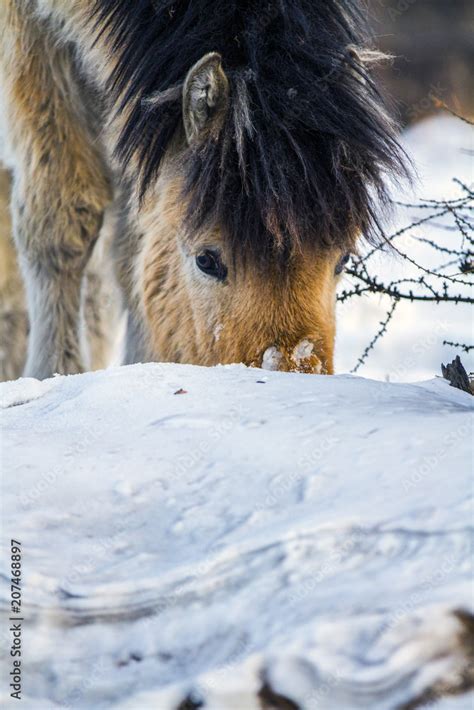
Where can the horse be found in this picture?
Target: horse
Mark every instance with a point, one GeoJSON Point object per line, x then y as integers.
{"type": "Point", "coordinates": [235, 152]}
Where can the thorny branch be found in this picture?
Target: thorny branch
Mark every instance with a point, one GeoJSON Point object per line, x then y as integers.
{"type": "Point", "coordinates": [380, 333]}
{"type": "Point", "coordinates": [445, 283]}
{"type": "Point", "coordinates": [461, 346]}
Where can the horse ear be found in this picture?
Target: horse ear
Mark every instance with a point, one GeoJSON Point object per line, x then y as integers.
{"type": "Point", "coordinates": [205, 98]}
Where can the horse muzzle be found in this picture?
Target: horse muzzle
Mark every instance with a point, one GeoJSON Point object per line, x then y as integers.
{"type": "Point", "coordinates": [302, 357]}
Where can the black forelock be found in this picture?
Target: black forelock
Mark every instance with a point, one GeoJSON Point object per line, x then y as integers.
{"type": "Point", "coordinates": [306, 146]}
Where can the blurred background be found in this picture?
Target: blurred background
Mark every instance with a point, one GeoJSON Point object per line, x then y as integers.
{"type": "Point", "coordinates": [433, 45]}
{"type": "Point", "coordinates": [432, 42]}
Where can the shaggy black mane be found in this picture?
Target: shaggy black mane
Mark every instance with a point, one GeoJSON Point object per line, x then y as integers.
{"type": "Point", "coordinates": [306, 145]}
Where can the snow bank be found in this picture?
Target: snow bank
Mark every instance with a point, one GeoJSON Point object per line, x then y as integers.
{"type": "Point", "coordinates": [292, 534]}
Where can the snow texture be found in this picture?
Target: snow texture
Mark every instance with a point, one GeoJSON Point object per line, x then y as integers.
{"type": "Point", "coordinates": [302, 533]}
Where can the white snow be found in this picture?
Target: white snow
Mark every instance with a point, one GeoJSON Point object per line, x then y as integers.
{"type": "Point", "coordinates": [312, 532]}
{"type": "Point", "coordinates": [217, 331]}
{"type": "Point", "coordinates": [302, 351]}
{"type": "Point", "coordinates": [271, 358]}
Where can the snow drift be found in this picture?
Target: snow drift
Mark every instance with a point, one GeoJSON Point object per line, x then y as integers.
{"type": "Point", "coordinates": [233, 537]}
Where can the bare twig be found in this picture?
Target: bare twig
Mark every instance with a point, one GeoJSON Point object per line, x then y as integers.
{"type": "Point", "coordinates": [380, 333]}
{"type": "Point", "coordinates": [441, 104]}
{"type": "Point", "coordinates": [461, 346]}
{"type": "Point", "coordinates": [433, 284]}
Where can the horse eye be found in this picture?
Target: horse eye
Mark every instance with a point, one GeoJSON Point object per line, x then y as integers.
{"type": "Point", "coordinates": [209, 262]}
{"type": "Point", "coordinates": [341, 264]}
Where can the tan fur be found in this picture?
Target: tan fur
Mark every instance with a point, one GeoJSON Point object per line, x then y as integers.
{"type": "Point", "coordinates": [64, 185]}
{"type": "Point", "coordinates": [13, 313]}
{"type": "Point", "coordinates": [101, 297]}
{"type": "Point", "coordinates": [56, 151]}
{"type": "Point", "coordinates": [61, 187]}
{"type": "Point", "coordinates": [193, 319]}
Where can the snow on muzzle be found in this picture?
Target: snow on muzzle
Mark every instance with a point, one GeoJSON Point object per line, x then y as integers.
{"type": "Point", "coordinates": [299, 358]}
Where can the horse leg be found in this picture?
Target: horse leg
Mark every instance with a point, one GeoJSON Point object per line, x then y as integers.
{"type": "Point", "coordinates": [101, 300]}
{"type": "Point", "coordinates": [13, 315]}
{"type": "Point", "coordinates": [126, 246]}
{"type": "Point", "coordinates": [60, 189]}
{"type": "Point", "coordinates": [102, 303]}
